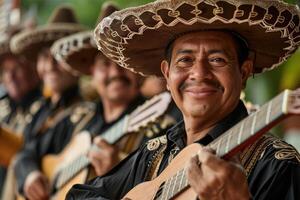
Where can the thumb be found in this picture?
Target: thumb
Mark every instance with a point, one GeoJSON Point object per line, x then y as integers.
{"type": "Point", "coordinates": [102, 143]}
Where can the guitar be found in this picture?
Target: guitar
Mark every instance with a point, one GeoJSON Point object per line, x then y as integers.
{"type": "Point", "coordinates": [172, 183]}
{"type": "Point", "coordinates": [71, 166]}
{"type": "Point", "coordinates": [10, 144]}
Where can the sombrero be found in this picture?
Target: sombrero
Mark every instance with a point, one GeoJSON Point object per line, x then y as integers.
{"type": "Point", "coordinates": [5, 38]}
{"type": "Point", "coordinates": [77, 51]}
{"type": "Point", "coordinates": [62, 22]}
{"type": "Point", "coordinates": [136, 38]}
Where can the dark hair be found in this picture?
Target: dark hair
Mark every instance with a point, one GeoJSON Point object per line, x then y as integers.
{"type": "Point", "coordinates": [240, 42]}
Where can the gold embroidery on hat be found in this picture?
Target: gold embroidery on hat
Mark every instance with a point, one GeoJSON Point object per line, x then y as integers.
{"type": "Point", "coordinates": [173, 13]}
{"type": "Point", "coordinates": [239, 13]}
{"type": "Point", "coordinates": [285, 151]}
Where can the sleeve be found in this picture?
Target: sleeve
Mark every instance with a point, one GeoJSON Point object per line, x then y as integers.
{"type": "Point", "coordinates": [115, 184]}
{"type": "Point", "coordinates": [26, 161]}
{"type": "Point", "coordinates": [276, 176]}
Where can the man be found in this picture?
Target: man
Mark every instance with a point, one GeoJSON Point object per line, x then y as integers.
{"type": "Point", "coordinates": [61, 94]}
{"type": "Point", "coordinates": [206, 65]}
{"type": "Point", "coordinates": [21, 82]}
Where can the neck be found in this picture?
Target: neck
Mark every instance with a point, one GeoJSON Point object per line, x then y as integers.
{"type": "Point", "coordinates": [195, 130]}
{"type": "Point", "coordinates": [55, 97]}
{"type": "Point", "coordinates": [113, 110]}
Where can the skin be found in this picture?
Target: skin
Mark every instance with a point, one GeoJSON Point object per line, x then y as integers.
{"type": "Point", "coordinates": [205, 81]}
{"type": "Point", "coordinates": [18, 76]}
{"type": "Point", "coordinates": [55, 78]}
{"type": "Point", "coordinates": [117, 87]}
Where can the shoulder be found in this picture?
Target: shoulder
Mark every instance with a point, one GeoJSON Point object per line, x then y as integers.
{"type": "Point", "coordinates": [281, 151]}
{"type": "Point", "coordinates": [82, 110]}
{"type": "Point", "coordinates": [269, 150]}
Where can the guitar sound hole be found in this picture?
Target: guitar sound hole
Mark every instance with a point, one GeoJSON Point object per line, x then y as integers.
{"type": "Point", "coordinates": [159, 191]}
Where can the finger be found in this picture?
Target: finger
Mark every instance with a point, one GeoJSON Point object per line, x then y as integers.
{"type": "Point", "coordinates": [96, 155]}
{"type": "Point", "coordinates": [40, 190]}
{"type": "Point", "coordinates": [35, 192]}
{"type": "Point", "coordinates": [100, 142]}
{"type": "Point", "coordinates": [208, 159]}
{"type": "Point", "coordinates": [194, 171]}
{"type": "Point", "coordinates": [97, 166]}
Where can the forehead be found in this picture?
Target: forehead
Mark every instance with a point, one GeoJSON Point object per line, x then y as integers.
{"type": "Point", "coordinates": [206, 39]}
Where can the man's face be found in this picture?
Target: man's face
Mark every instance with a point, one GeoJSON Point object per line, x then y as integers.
{"type": "Point", "coordinates": [112, 82]}
{"type": "Point", "coordinates": [204, 76]}
{"type": "Point", "coordinates": [54, 77]}
{"type": "Point", "coordinates": [18, 77]}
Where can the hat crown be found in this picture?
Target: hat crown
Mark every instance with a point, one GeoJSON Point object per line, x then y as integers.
{"type": "Point", "coordinates": [63, 14]}
{"type": "Point", "coordinates": [107, 9]}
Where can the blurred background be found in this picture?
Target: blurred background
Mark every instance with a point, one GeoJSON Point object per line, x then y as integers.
{"type": "Point", "coordinates": [260, 88]}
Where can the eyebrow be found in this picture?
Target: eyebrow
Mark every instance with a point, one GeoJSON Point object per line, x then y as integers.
{"type": "Point", "coordinates": [212, 51]}
{"type": "Point", "coordinates": [184, 51]}
{"type": "Point", "coordinates": [221, 51]}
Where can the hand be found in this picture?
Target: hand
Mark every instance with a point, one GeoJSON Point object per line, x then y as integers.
{"type": "Point", "coordinates": [104, 158]}
{"type": "Point", "coordinates": [213, 178]}
{"type": "Point", "coordinates": [36, 186]}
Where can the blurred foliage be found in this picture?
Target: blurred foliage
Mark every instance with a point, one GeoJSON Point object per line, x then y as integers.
{"type": "Point", "coordinates": [87, 11]}
{"type": "Point", "coordinates": [260, 88]}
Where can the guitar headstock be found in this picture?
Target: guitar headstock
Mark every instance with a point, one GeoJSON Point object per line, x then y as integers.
{"type": "Point", "coordinates": [149, 111]}
{"type": "Point", "coordinates": [293, 102]}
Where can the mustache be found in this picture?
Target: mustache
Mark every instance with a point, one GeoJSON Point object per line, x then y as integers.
{"type": "Point", "coordinates": [207, 82]}
{"type": "Point", "coordinates": [123, 79]}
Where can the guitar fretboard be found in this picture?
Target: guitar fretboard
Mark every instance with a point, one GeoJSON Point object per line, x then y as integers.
{"type": "Point", "coordinates": [229, 142]}
{"type": "Point", "coordinates": [111, 135]}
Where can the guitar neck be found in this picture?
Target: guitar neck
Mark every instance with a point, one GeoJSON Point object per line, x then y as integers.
{"type": "Point", "coordinates": [235, 139]}
{"type": "Point", "coordinates": [111, 135]}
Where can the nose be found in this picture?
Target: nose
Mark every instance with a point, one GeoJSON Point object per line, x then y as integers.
{"type": "Point", "coordinates": [201, 70]}
{"type": "Point", "coordinates": [50, 65]}
{"type": "Point", "coordinates": [115, 70]}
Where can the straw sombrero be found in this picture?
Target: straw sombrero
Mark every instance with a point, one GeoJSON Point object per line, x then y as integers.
{"type": "Point", "coordinates": [5, 38]}
{"type": "Point", "coordinates": [61, 23]}
{"type": "Point", "coordinates": [77, 51]}
{"type": "Point", "coordinates": [136, 38]}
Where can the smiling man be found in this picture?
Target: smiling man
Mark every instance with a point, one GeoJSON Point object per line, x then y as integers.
{"type": "Point", "coordinates": [205, 52]}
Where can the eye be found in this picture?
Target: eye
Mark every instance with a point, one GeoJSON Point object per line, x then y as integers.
{"type": "Point", "coordinates": [217, 61]}
{"type": "Point", "coordinates": [184, 61]}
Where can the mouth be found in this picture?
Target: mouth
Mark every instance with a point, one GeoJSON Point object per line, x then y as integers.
{"type": "Point", "coordinates": [201, 92]}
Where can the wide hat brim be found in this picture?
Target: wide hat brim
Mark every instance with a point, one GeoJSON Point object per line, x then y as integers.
{"type": "Point", "coordinates": [76, 52]}
{"type": "Point", "coordinates": [136, 38]}
{"type": "Point", "coordinates": [30, 42]}
{"type": "Point", "coordinates": [4, 49]}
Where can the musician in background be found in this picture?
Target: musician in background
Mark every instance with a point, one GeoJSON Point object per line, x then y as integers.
{"type": "Point", "coordinates": [22, 92]}
{"type": "Point", "coordinates": [206, 63]}
{"type": "Point", "coordinates": [60, 96]}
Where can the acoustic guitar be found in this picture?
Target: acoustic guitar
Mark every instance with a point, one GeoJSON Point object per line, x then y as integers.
{"type": "Point", "coordinates": [71, 165]}
{"type": "Point", "coordinates": [172, 183]}
{"type": "Point", "coordinates": [10, 144]}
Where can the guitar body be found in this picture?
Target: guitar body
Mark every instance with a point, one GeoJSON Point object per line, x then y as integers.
{"type": "Point", "coordinates": [148, 190]}
{"type": "Point", "coordinates": [51, 164]}
{"type": "Point", "coordinates": [10, 144]}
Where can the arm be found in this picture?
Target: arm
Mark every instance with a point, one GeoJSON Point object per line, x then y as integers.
{"type": "Point", "coordinates": [115, 184]}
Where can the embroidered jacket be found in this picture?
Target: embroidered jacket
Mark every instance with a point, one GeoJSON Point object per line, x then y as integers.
{"type": "Point", "coordinates": [272, 166]}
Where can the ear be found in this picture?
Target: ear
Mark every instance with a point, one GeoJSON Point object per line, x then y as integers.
{"type": "Point", "coordinates": [246, 70]}
{"type": "Point", "coordinates": [165, 69]}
